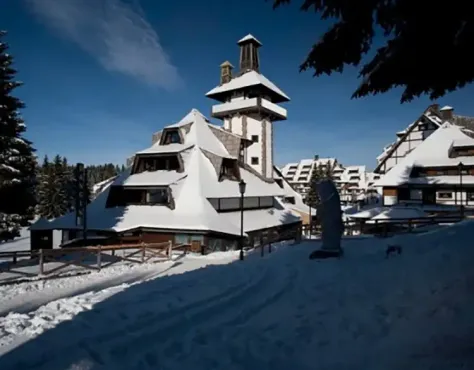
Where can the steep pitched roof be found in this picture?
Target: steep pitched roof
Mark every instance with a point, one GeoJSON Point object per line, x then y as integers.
{"type": "Point", "coordinates": [433, 151]}
{"type": "Point", "coordinates": [199, 134]}
{"type": "Point", "coordinates": [427, 115]}
{"type": "Point", "coordinates": [190, 191]}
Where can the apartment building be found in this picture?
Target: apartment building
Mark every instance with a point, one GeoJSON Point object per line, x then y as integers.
{"type": "Point", "coordinates": [353, 182]}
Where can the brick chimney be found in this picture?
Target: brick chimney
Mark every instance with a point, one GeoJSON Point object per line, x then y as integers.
{"type": "Point", "coordinates": [447, 113]}
{"type": "Point", "coordinates": [226, 72]}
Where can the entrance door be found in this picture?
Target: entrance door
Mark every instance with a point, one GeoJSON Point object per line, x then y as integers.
{"type": "Point", "coordinates": [429, 196]}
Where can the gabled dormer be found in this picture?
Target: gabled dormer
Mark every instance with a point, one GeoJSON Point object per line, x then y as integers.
{"type": "Point", "coordinates": [120, 196]}
{"type": "Point", "coordinates": [229, 170]}
{"type": "Point", "coordinates": [157, 162]}
{"type": "Point", "coordinates": [171, 136]}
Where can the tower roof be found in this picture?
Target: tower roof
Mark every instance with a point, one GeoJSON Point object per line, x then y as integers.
{"type": "Point", "coordinates": [227, 64]}
{"type": "Point", "coordinates": [246, 80]}
{"type": "Point", "coordinates": [247, 39]}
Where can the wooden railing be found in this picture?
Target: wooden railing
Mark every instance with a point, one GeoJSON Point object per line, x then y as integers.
{"type": "Point", "coordinates": [383, 228]}
{"type": "Point", "coordinates": [89, 258]}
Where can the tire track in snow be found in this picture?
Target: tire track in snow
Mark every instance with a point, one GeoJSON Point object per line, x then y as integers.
{"type": "Point", "coordinates": [184, 344]}
{"type": "Point", "coordinates": [150, 329]}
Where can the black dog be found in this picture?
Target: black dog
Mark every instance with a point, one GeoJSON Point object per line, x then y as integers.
{"type": "Point", "coordinates": [393, 249]}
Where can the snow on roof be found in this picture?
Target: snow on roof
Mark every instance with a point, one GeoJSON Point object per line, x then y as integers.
{"type": "Point", "coordinates": [190, 191]}
{"type": "Point", "coordinates": [199, 134]}
{"type": "Point", "coordinates": [262, 218]}
{"type": "Point", "coordinates": [446, 107]}
{"type": "Point", "coordinates": [153, 178]}
{"type": "Point", "coordinates": [367, 213]}
{"type": "Point", "coordinates": [40, 224]}
{"type": "Point", "coordinates": [400, 213]}
{"type": "Point", "coordinates": [433, 151]}
{"type": "Point", "coordinates": [101, 185]}
{"type": "Point", "coordinates": [249, 37]}
{"type": "Point", "coordinates": [288, 190]}
{"type": "Point", "coordinates": [251, 78]}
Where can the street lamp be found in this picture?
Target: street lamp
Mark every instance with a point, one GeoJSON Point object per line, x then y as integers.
{"type": "Point", "coordinates": [460, 168]}
{"type": "Point", "coordinates": [242, 186]}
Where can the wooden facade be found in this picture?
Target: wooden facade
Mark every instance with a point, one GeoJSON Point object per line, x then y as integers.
{"type": "Point", "coordinates": [208, 241]}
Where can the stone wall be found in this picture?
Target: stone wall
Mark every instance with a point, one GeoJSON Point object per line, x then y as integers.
{"type": "Point", "coordinates": [231, 142]}
{"type": "Point", "coordinates": [215, 160]}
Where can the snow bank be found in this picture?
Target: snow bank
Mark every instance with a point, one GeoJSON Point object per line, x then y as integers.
{"type": "Point", "coordinates": [283, 311]}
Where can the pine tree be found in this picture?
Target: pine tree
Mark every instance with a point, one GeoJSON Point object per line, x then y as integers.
{"type": "Point", "coordinates": [17, 160]}
{"type": "Point", "coordinates": [60, 179]}
{"type": "Point", "coordinates": [312, 199]}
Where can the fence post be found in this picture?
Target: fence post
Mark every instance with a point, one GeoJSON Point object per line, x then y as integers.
{"type": "Point", "coordinates": [41, 262]}
{"type": "Point", "coordinates": [270, 247]}
{"type": "Point", "coordinates": [14, 258]}
{"type": "Point", "coordinates": [99, 253]}
{"type": "Point", "coordinates": [170, 249]}
{"type": "Point", "coordinates": [143, 252]}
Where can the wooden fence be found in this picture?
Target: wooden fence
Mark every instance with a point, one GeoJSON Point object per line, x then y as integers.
{"type": "Point", "coordinates": [385, 227]}
{"type": "Point", "coordinates": [89, 258]}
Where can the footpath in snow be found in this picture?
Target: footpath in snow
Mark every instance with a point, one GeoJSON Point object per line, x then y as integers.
{"type": "Point", "coordinates": [283, 311]}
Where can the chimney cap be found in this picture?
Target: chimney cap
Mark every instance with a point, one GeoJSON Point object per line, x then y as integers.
{"type": "Point", "coordinates": [248, 39]}
{"type": "Point", "coordinates": [227, 64]}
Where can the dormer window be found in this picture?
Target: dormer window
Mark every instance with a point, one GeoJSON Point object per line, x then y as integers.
{"type": "Point", "coordinates": [157, 196]}
{"type": "Point", "coordinates": [171, 137]}
{"type": "Point", "coordinates": [229, 170]}
{"type": "Point", "coordinates": [169, 162]}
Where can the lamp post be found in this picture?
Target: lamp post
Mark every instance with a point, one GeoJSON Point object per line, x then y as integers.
{"type": "Point", "coordinates": [460, 168]}
{"type": "Point", "coordinates": [242, 186]}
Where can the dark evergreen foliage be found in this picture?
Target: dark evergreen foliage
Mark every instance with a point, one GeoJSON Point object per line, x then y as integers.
{"type": "Point", "coordinates": [320, 172]}
{"type": "Point", "coordinates": [57, 189]}
{"type": "Point", "coordinates": [17, 160]}
{"type": "Point", "coordinates": [427, 47]}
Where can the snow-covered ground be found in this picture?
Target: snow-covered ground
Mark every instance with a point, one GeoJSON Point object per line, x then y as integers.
{"type": "Point", "coordinates": [283, 311]}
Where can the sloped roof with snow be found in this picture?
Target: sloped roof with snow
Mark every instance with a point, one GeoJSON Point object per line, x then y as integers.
{"type": "Point", "coordinates": [251, 78]}
{"type": "Point", "coordinates": [299, 205]}
{"type": "Point", "coordinates": [190, 191]}
{"type": "Point", "coordinates": [199, 135]}
{"type": "Point", "coordinates": [433, 151]}
{"type": "Point", "coordinates": [249, 37]}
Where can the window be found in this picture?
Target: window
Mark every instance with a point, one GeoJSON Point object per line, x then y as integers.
{"type": "Point", "coordinates": [254, 160]}
{"type": "Point", "coordinates": [445, 195]}
{"type": "Point", "coordinates": [255, 138]}
{"type": "Point", "coordinates": [181, 239]}
{"type": "Point", "coordinates": [157, 196]}
{"type": "Point", "coordinates": [290, 200]}
{"type": "Point", "coordinates": [171, 137]}
{"type": "Point", "coordinates": [229, 169]}
{"type": "Point", "coordinates": [470, 196]}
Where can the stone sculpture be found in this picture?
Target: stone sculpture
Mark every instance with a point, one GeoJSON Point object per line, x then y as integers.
{"type": "Point", "coordinates": [330, 215]}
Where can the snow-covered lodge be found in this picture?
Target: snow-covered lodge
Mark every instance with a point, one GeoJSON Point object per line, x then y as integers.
{"type": "Point", "coordinates": [439, 170]}
{"type": "Point", "coordinates": [185, 186]}
{"type": "Point", "coordinates": [418, 131]}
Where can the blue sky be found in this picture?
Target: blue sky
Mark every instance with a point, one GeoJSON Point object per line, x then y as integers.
{"type": "Point", "coordinates": [100, 76]}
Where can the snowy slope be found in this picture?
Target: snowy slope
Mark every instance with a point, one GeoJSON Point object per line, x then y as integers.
{"type": "Point", "coordinates": [413, 311]}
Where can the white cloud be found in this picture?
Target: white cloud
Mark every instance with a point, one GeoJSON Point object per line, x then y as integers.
{"type": "Point", "coordinates": [114, 32]}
